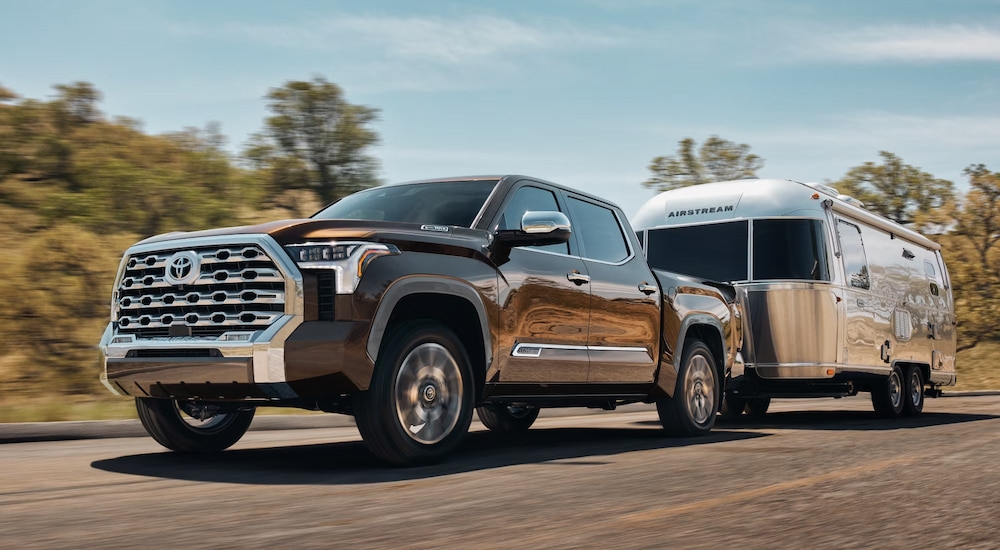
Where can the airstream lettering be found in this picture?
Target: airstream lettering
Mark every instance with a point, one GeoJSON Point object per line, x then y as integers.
{"type": "Point", "coordinates": [836, 299]}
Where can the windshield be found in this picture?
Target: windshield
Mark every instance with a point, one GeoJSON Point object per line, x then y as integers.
{"type": "Point", "coordinates": [438, 203]}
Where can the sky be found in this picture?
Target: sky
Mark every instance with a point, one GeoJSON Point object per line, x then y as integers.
{"type": "Point", "coordinates": [581, 92]}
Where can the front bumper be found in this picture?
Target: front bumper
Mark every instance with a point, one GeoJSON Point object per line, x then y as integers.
{"type": "Point", "coordinates": [292, 359]}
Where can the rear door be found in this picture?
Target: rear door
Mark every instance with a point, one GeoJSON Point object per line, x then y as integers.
{"type": "Point", "coordinates": [624, 331]}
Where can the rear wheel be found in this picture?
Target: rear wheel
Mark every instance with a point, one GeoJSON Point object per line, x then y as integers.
{"type": "Point", "coordinates": [732, 406]}
{"type": "Point", "coordinates": [757, 407]}
{"type": "Point", "coordinates": [419, 404]}
{"type": "Point", "coordinates": [507, 418]}
{"type": "Point", "coordinates": [192, 427]}
{"type": "Point", "coordinates": [914, 402]}
{"type": "Point", "coordinates": [888, 396]}
{"type": "Point", "coordinates": [691, 410]}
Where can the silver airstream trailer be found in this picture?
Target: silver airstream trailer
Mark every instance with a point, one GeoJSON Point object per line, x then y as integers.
{"type": "Point", "coordinates": [835, 299]}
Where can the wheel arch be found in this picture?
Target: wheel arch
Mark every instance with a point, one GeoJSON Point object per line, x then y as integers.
{"type": "Point", "coordinates": [708, 329]}
{"type": "Point", "coordinates": [452, 303]}
{"type": "Point", "coordinates": [925, 368]}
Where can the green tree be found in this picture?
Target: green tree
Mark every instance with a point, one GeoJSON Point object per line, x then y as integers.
{"type": "Point", "coordinates": [316, 139]}
{"type": "Point", "coordinates": [895, 190]}
{"type": "Point", "coordinates": [973, 256]}
{"type": "Point", "coordinates": [717, 160]}
{"type": "Point", "coordinates": [6, 95]}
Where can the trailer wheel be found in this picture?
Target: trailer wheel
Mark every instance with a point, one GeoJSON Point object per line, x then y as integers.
{"type": "Point", "coordinates": [190, 427]}
{"type": "Point", "coordinates": [507, 418]}
{"type": "Point", "coordinates": [889, 395]}
{"type": "Point", "coordinates": [419, 404]}
{"type": "Point", "coordinates": [914, 402]}
{"type": "Point", "coordinates": [757, 407]}
{"type": "Point", "coordinates": [691, 411]}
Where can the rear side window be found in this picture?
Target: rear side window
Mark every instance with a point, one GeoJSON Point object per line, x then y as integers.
{"type": "Point", "coordinates": [599, 231]}
{"type": "Point", "coordinates": [855, 261]}
{"type": "Point", "coordinates": [714, 252]}
{"type": "Point", "coordinates": [789, 249]}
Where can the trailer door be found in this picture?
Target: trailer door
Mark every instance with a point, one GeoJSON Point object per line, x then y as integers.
{"type": "Point", "coordinates": [861, 337]}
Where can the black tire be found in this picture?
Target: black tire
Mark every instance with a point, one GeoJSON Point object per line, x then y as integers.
{"type": "Point", "coordinates": [757, 407]}
{"type": "Point", "coordinates": [913, 403]}
{"type": "Point", "coordinates": [507, 418]}
{"type": "Point", "coordinates": [179, 431]}
{"type": "Point", "coordinates": [419, 403]}
{"type": "Point", "coordinates": [732, 406]}
{"type": "Point", "coordinates": [692, 409]}
{"type": "Point", "coordinates": [888, 396]}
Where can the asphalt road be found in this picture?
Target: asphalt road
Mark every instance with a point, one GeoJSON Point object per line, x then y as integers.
{"type": "Point", "coordinates": [814, 474]}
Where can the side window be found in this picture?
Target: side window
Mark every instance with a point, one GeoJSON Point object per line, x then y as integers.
{"type": "Point", "coordinates": [855, 262]}
{"type": "Point", "coordinates": [789, 249]}
{"type": "Point", "coordinates": [531, 199]}
{"type": "Point", "coordinates": [599, 231]}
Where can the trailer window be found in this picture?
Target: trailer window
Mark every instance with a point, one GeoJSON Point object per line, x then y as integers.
{"type": "Point", "coordinates": [714, 252]}
{"type": "Point", "coordinates": [855, 262]}
{"type": "Point", "coordinates": [789, 249]}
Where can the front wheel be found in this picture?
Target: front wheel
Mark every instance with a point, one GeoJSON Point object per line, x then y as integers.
{"type": "Point", "coordinates": [507, 418]}
{"type": "Point", "coordinates": [420, 400]}
{"type": "Point", "coordinates": [691, 410]}
{"type": "Point", "coordinates": [192, 427]}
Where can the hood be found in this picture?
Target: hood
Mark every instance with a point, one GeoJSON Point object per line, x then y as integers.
{"type": "Point", "coordinates": [407, 236]}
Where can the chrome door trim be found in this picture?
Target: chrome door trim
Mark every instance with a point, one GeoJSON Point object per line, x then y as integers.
{"type": "Point", "coordinates": [534, 351]}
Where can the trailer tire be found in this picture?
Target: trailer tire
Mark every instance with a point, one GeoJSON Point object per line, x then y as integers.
{"type": "Point", "coordinates": [507, 418]}
{"type": "Point", "coordinates": [419, 404]}
{"type": "Point", "coordinates": [171, 425]}
{"type": "Point", "coordinates": [889, 395]}
{"type": "Point", "coordinates": [692, 409]}
{"type": "Point", "coordinates": [914, 388]}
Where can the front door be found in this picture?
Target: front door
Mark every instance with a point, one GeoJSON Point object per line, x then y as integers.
{"type": "Point", "coordinates": [544, 304]}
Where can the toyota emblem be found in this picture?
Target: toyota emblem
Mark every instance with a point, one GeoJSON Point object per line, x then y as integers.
{"type": "Point", "coordinates": [183, 268]}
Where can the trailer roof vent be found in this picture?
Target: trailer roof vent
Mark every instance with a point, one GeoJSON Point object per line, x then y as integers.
{"type": "Point", "coordinates": [825, 189]}
{"type": "Point", "coordinates": [851, 200]}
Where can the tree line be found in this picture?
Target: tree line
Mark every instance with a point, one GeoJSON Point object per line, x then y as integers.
{"type": "Point", "coordinates": [966, 225]}
{"type": "Point", "coordinates": [77, 188]}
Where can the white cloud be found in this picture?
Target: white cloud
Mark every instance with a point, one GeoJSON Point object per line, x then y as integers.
{"type": "Point", "coordinates": [931, 43]}
{"type": "Point", "coordinates": [446, 41]}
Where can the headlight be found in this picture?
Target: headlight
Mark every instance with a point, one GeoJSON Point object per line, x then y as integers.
{"type": "Point", "coordinates": [347, 259]}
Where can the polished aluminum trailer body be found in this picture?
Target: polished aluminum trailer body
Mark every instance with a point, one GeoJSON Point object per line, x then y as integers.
{"type": "Point", "coordinates": [834, 296]}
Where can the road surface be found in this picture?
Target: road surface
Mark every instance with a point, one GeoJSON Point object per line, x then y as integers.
{"type": "Point", "coordinates": [813, 474]}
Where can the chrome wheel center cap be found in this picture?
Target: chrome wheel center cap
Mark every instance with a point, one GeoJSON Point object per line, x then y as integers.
{"type": "Point", "coordinates": [429, 394]}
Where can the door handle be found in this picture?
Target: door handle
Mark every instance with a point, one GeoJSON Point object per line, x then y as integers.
{"type": "Point", "coordinates": [577, 277]}
{"type": "Point", "coordinates": [647, 288]}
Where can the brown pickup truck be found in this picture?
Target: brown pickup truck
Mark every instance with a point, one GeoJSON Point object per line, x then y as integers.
{"type": "Point", "coordinates": [409, 306]}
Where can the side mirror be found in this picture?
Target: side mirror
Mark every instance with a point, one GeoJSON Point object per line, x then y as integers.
{"type": "Point", "coordinates": [537, 229]}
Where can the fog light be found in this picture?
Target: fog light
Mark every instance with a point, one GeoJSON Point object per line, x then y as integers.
{"type": "Point", "coordinates": [236, 337]}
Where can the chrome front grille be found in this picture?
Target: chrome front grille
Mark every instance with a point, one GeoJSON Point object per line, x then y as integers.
{"type": "Point", "coordinates": [219, 289]}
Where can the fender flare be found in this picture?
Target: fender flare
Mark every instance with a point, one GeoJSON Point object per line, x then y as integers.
{"type": "Point", "coordinates": [425, 285]}
{"type": "Point", "coordinates": [666, 381]}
